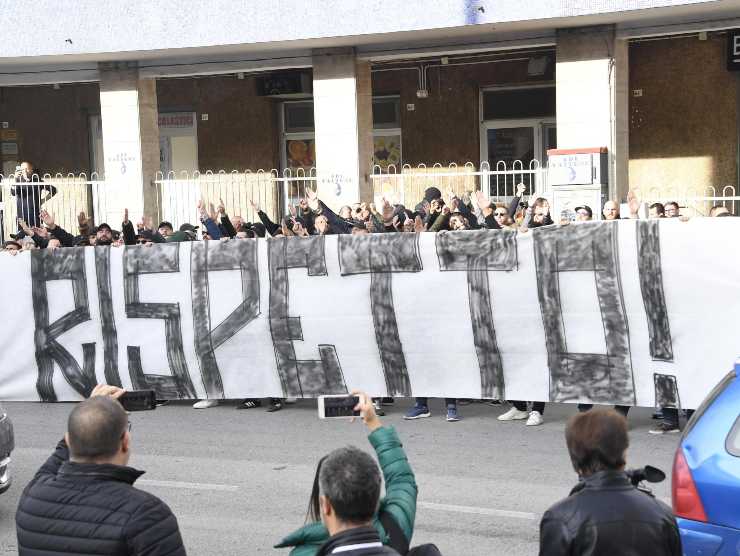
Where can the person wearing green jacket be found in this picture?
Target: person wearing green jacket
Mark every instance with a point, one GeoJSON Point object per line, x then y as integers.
{"type": "Point", "coordinates": [397, 509]}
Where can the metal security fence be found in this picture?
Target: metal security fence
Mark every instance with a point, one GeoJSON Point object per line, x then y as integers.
{"type": "Point", "coordinates": [694, 201]}
{"type": "Point", "coordinates": [177, 195]}
{"type": "Point", "coordinates": [63, 195]}
{"type": "Point", "coordinates": [406, 183]}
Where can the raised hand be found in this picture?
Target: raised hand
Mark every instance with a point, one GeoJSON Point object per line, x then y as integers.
{"type": "Point", "coordinates": [633, 202]}
{"type": "Point", "coordinates": [42, 232]}
{"type": "Point", "coordinates": [367, 410]}
{"type": "Point", "coordinates": [255, 206]}
{"type": "Point", "coordinates": [520, 189]}
{"type": "Point", "coordinates": [313, 199]}
{"type": "Point", "coordinates": [482, 199]}
{"type": "Point", "coordinates": [221, 207]}
{"type": "Point", "coordinates": [107, 390]}
{"type": "Point", "coordinates": [25, 227]}
{"type": "Point", "coordinates": [47, 219]}
{"type": "Point", "coordinates": [125, 216]}
{"type": "Point", "coordinates": [419, 225]}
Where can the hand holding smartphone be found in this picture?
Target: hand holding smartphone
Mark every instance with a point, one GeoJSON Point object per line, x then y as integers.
{"type": "Point", "coordinates": [138, 400]}
{"type": "Point", "coordinates": [339, 406]}
{"type": "Point", "coordinates": [357, 404]}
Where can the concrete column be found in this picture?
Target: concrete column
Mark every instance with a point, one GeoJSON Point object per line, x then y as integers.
{"type": "Point", "coordinates": [592, 89]}
{"type": "Point", "coordinates": [342, 94]}
{"type": "Point", "coordinates": [128, 108]}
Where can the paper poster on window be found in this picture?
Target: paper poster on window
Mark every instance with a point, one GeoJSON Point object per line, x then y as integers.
{"type": "Point", "coordinates": [301, 153]}
{"type": "Point", "coordinates": [387, 150]}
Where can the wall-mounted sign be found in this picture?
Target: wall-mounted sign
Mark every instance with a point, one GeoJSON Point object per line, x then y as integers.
{"type": "Point", "coordinates": [733, 50]}
{"type": "Point", "coordinates": [9, 135]}
{"type": "Point", "coordinates": [177, 120]}
{"type": "Point", "coordinates": [9, 149]}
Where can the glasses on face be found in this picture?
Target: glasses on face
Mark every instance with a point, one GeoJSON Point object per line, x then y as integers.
{"type": "Point", "coordinates": [582, 213]}
{"type": "Point", "coordinates": [499, 214]}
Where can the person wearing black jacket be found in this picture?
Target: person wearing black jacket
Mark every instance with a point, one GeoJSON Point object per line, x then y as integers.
{"type": "Point", "coordinates": [605, 513]}
{"type": "Point", "coordinates": [82, 500]}
{"type": "Point", "coordinates": [30, 193]}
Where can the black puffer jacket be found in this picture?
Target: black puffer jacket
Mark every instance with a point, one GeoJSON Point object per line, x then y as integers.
{"type": "Point", "coordinates": [360, 541]}
{"type": "Point", "coordinates": [609, 516]}
{"type": "Point", "coordinates": [80, 508]}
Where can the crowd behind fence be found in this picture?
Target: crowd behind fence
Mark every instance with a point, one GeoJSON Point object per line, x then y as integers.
{"type": "Point", "coordinates": [175, 195]}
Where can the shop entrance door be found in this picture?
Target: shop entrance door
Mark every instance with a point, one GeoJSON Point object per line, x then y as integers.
{"type": "Point", "coordinates": [515, 151]}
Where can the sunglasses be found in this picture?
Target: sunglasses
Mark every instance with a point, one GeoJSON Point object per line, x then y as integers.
{"type": "Point", "coordinates": [499, 214]}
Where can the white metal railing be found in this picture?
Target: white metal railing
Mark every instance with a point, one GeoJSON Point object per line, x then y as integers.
{"type": "Point", "coordinates": [175, 196]}
{"type": "Point", "coordinates": [694, 201]}
{"type": "Point", "coordinates": [63, 195]}
{"type": "Point", "coordinates": [407, 183]}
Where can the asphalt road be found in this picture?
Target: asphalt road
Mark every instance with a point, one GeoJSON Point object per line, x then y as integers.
{"type": "Point", "coordinates": [239, 481]}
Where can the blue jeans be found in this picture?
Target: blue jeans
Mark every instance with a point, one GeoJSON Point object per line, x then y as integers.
{"type": "Point", "coordinates": [449, 402]}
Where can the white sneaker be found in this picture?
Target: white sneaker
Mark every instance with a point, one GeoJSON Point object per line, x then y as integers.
{"type": "Point", "coordinates": [205, 404]}
{"type": "Point", "coordinates": [535, 418]}
{"type": "Point", "coordinates": [513, 415]}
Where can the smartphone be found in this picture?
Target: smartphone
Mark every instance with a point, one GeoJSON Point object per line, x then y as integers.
{"type": "Point", "coordinates": [139, 400]}
{"type": "Point", "coordinates": [338, 406]}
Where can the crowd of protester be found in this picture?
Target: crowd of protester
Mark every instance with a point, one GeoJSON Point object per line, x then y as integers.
{"type": "Point", "coordinates": [311, 216]}
{"type": "Point", "coordinates": [82, 499]}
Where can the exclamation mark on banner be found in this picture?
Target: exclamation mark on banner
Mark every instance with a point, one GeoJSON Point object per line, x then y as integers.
{"type": "Point", "coordinates": [651, 284]}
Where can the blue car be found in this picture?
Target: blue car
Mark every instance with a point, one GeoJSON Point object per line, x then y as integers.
{"type": "Point", "coordinates": [706, 474]}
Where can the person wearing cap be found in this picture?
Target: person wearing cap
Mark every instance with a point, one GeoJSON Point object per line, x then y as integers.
{"type": "Point", "coordinates": [103, 234]}
{"type": "Point", "coordinates": [584, 213]}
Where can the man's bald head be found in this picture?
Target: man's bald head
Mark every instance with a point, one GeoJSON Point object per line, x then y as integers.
{"type": "Point", "coordinates": [96, 428]}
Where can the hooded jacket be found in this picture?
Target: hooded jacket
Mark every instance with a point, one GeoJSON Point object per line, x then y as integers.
{"type": "Point", "coordinates": [399, 501]}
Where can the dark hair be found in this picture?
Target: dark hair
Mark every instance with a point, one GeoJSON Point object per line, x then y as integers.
{"type": "Point", "coordinates": [314, 511]}
{"type": "Point", "coordinates": [659, 208]}
{"type": "Point", "coordinates": [165, 224]}
{"type": "Point", "coordinates": [95, 428]}
{"type": "Point", "coordinates": [597, 441]}
{"type": "Point", "coordinates": [351, 480]}
{"type": "Point", "coordinates": [674, 203]}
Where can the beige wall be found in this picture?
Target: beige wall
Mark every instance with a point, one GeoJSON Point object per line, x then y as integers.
{"type": "Point", "coordinates": [683, 129]}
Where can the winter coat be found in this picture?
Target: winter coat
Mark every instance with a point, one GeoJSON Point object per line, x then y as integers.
{"type": "Point", "coordinates": [86, 508]}
{"type": "Point", "coordinates": [399, 500]}
{"type": "Point", "coordinates": [607, 515]}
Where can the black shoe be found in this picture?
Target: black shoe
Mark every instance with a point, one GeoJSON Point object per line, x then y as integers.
{"type": "Point", "coordinates": [275, 405]}
{"type": "Point", "coordinates": [379, 411]}
{"type": "Point", "coordinates": [387, 401]}
{"type": "Point", "coordinates": [249, 403]}
{"type": "Point", "coordinates": [658, 415]}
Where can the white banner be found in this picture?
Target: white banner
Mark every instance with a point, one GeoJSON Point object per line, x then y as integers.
{"type": "Point", "coordinates": [630, 312]}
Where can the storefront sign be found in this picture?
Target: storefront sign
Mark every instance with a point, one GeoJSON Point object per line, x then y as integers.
{"type": "Point", "coordinates": [177, 120]}
{"type": "Point", "coordinates": [570, 169]}
{"type": "Point", "coordinates": [733, 50]}
{"type": "Point", "coordinates": [9, 135]}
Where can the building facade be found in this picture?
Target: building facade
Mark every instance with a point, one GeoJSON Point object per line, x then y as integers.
{"type": "Point", "coordinates": [348, 91]}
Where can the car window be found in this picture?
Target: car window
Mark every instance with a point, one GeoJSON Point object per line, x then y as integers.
{"type": "Point", "coordinates": [732, 444]}
{"type": "Point", "coordinates": [716, 391]}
